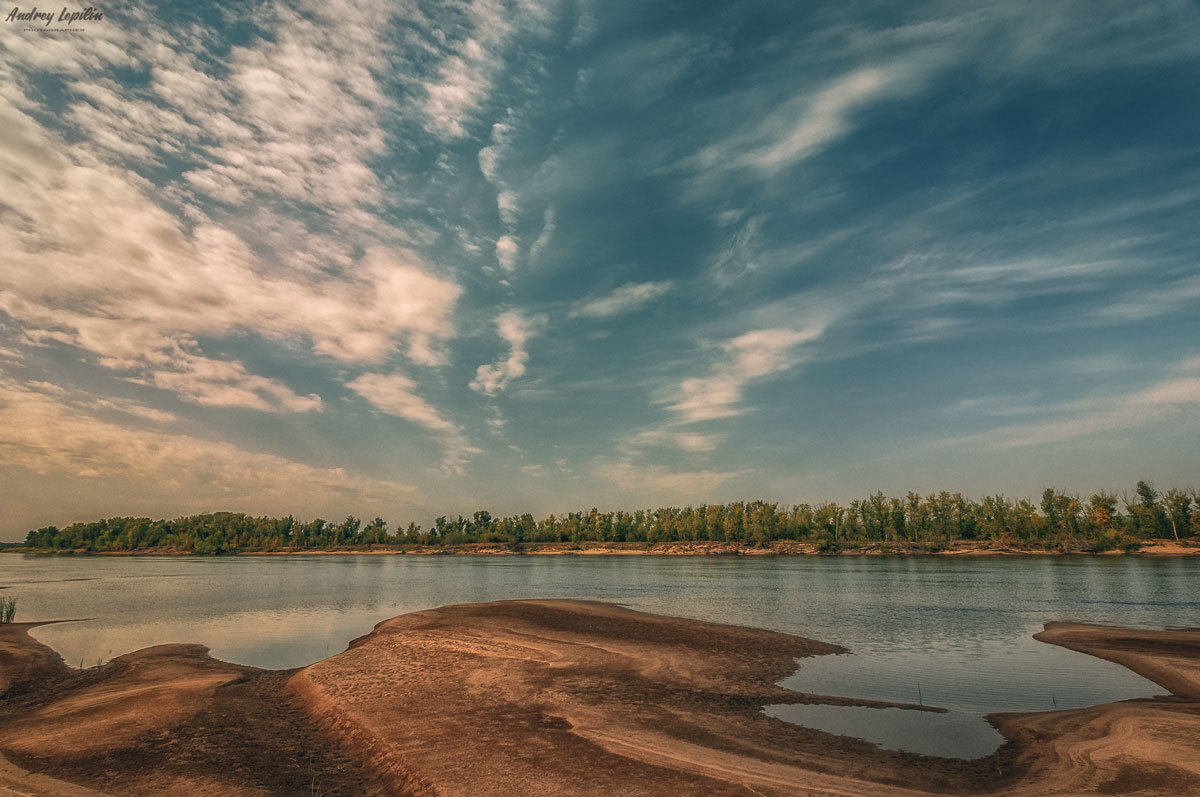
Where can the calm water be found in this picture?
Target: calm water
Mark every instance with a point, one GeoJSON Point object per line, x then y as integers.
{"type": "Point", "coordinates": [951, 633]}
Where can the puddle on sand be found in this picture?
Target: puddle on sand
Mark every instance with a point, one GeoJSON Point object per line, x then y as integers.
{"type": "Point", "coordinates": [952, 734]}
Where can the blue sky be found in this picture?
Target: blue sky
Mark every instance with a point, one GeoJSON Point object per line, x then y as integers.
{"type": "Point", "coordinates": [412, 259]}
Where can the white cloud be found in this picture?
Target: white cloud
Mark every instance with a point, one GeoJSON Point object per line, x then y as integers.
{"type": "Point", "coordinates": [516, 330]}
{"type": "Point", "coordinates": [296, 117]}
{"type": "Point", "coordinates": [133, 408]}
{"type": "Point", "coordinates": [625, 299]}
{"type": "Point", "coordinates": [491, 155]}
{"type": "Point", "coordinates": [393, 394]}
{"type": "Point", "coordinates": [506, 252]}
{"type": "Point", "coordinates": [750, 357]}
{"type": "Point", "coordinates": [223, 383]}
{"type": "Point", "coordinates": [822, 118]}
{"type": "Point", "coordinates": [691, 442]}
{"type": "Point", "coordinates": [472, 61]}
{"type": "Point", "coordinates": [804, 125]}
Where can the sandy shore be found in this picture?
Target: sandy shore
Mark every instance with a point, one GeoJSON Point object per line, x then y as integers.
{"type": "Point", "coordinates": [1142, 746]}
{"type": "Point", "coordinates": [548, 697]}
{"type": "Point", "coordinates": [960, 548]}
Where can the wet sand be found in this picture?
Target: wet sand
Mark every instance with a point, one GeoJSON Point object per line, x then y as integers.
{"type": "Point", "coordinates": [548, 697]}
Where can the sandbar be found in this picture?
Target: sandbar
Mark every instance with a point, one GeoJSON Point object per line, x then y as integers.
{"type": "Point", "coordinates": [550, 697]}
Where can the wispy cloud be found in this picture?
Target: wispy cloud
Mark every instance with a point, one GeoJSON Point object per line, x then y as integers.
{"type": "Point", "coordinates": [99, 258]}
{"type": "Point", "coordinates": [465, 75]}
{"type": "Point", "coordinates": [515, 330]}
{"type": "Point", "coordinates": [472, 58]}
{"type": "Point", "coordinates": [491, 156]}
{"type": "Point", "coordinates": [627, 298]}
{"type": "Point", "coordinates": [804, 125]}
{"type": "Point", "coordinates": [224, 383]}
{"type": "Point", "coordinates": [748, 358]}
{"type": "Point", "coordinates": [304, 118]}
{"type": "Point", "coordinates": [549, 227]}
{"type": "Point", "coordinates": [508, 201]}
{"type": "Point", "coordinates": [1090, 417]}
{"type": "Point", "coordinates": [395, 394]}
{"type": "Point", "coordinates": [640, 484]}
{"type": "Point", "coordinates": [106, 269]}
{"type": "Point", "coordinates": [47, 433]}
{"type": "Point", "coordinates": [739, 256]}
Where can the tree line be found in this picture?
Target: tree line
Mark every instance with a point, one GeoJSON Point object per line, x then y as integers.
{"type": "Point", "coordinates": [1103, 521]}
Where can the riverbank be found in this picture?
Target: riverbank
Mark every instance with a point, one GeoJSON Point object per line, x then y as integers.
{"type": "Point", "coordinates": [562, 697]}
{"type": "Point", "coordinates": [1143, 746]}
{"type": "Point", "coordinates": [678, 548]}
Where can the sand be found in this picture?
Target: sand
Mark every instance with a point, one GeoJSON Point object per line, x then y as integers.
{"type": "Point", "coordinates": [1142, 746]}
{"type": "Point", "coordinates": [548, 697]}
{"type": "Point", "coordinates": [958, 548]}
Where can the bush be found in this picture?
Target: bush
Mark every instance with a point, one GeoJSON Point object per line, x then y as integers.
{"type": "Point", "coordinates": [8, 609]}
{"type": "Point", "coordinates": [828, 545]}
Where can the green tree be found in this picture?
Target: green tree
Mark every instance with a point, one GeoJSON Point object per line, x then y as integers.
{"type": "Point", "coordinates": [1147, 515]}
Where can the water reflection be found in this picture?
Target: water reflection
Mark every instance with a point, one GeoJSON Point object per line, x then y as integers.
{"type": "Point", "coordinates": [951, 734]}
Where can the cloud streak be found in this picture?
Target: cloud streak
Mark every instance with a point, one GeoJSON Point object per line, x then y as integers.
{"type": "Point", "coordinates": [749, 357]}
{"type": "Point", "coordinates": [802, 126]}
{"type": "Point", "coordinates": [1091, 418]}
{"type": "Point", "coordinates": [628, 298]}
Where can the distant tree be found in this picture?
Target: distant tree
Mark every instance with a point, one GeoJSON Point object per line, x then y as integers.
{"type": "Point", "coordinates": [1179, 511]}
{"type": "Point", "coordinates": [375, 532]}
{"type": "Point", "coordinates": [1102, 511]}
{"type": "Point", "coordinates": [1147, 515]}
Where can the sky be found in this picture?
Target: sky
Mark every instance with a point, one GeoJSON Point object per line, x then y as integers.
{"type": "Point", "coordinates": [412, 259]}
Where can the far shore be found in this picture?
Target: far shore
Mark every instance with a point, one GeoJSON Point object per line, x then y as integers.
{"type": "Point", "coordinates": [961, 548]}
{"type": "Point", "coordinates": [550, 697]}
